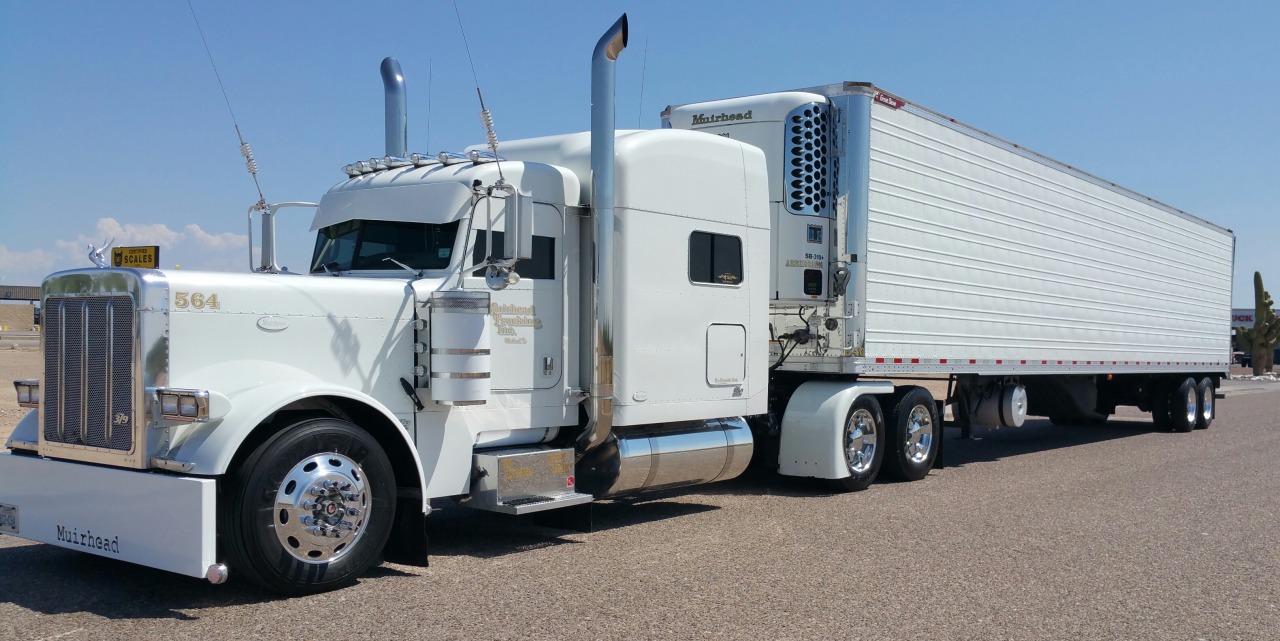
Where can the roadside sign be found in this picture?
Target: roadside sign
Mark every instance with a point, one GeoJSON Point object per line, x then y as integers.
{"type": "Point", "coordinates": [145, 257]}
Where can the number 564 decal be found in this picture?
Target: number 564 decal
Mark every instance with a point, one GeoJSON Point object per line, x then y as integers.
{"type": "Point", "coordinates": [195, 300]}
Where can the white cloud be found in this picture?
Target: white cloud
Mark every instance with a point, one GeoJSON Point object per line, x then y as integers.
{"type": "Point", "coordinates": [192, 247]}
{"type": "Point", "coordinates": [24, 267]}
{"type": "Point", "coordinates": [224, 240]}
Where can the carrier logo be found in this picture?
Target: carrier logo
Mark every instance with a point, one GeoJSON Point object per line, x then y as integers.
{"type": "Point", "coordinates": [886, 99]}
{"type": "Point", "coordinates": [704, 119]}
{"type": "Point", "coordinates": [89, 540]}
{"type": "Point", "coordinates": [120, 420]}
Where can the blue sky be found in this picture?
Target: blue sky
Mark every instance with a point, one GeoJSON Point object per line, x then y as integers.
{"type": "Point", "coordinates": [112, 123]}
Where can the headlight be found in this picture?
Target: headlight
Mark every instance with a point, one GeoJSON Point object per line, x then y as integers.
{"type": "Point", "coordinates": [186, 405]}
{"type": "Point", "coordinates": [28, 392]}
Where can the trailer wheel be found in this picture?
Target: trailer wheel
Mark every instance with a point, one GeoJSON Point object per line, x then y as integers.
{"type": "Point", "coordinates": [1184, 406]}
{"type": "Point", "coordinates": [863, 443]}
{"type": "Point", "coordinates": [1204, 391]}
{"type": "Point", "coordinates": [311, 508]}
{"type": "Point", "coordinates": [913, 435]}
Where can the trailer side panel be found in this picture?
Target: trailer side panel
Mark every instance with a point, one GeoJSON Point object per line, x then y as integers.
{"type": "Point", "coordinates": [979, 252]}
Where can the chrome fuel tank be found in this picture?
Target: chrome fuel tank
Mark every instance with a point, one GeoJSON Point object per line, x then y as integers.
{"type": "Point", "coordinates": [655, 457]}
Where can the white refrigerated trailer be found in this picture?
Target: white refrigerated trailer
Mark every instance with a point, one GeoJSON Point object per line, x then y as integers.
{"type": "Point", "coordinates": [600, 314]}
{"type": "Point", "coordinates": [909, 243]}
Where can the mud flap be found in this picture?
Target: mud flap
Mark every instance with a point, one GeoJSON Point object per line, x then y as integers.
{"type": "Point", "coordinates": [408, 542]}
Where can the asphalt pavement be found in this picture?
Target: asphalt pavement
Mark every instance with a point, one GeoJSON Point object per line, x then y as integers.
{"type": "Point", "coordinates": [1039, 532]}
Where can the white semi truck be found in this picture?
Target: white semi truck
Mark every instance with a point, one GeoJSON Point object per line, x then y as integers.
{"type": "Point", "coordinates": [601, 314]}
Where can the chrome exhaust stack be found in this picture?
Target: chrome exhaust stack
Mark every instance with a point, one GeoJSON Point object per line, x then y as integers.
{"type": "Point", "coordinates": [397, 110]}
{"type": "Point", "coordinates": [600, 403]}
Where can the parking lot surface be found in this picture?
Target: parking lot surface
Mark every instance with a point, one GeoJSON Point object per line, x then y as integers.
{"type": "Point", "coordinates": [1040, 532]}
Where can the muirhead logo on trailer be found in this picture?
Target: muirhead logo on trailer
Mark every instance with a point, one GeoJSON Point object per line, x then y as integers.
{"type": "Point", "coordinates": [704, 119]}
{"type": "Point", "coordinates": [88, 539]}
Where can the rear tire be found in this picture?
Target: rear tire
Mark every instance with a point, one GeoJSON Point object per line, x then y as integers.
{"type": "Point", "coordinates": [863, 442]}
{"type": "Point", "coordinates": [913, 436]}
{"type": "Point", "coordinates": [1184, 406]}
{"type": "Point", "coordinates": [310, 509]}
{"type": "Point", "coordinates": [1204, 391]}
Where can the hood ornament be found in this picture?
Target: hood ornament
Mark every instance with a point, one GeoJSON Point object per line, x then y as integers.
{"type": "Point", "coordinates": [98, 256]}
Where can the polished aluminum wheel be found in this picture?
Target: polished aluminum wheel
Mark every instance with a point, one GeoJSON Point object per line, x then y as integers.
{"type": "Point", "coordinates": [919, 434]}
{"type": "Point", "coordinates": [321, 508]}
{"type": "Point", "coordinates": [1193, 405]}
{"type": "Point", "coordinates": [860, 437]}
{"type": "Point", "coordinates": [1206, 405]}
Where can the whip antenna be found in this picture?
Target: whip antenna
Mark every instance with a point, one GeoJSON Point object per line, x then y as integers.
{"type": "Point", "coordinates": [486, 118]}
{"type": "Point", "coordinates": [249, 163]}
{"type": "Point", "coordinates": [430, 73]}
{"type": "Point", "coordinates": [642, 70]}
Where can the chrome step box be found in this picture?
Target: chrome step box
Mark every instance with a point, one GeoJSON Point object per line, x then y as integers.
{"type": "Point", "coordinates": [524, 481]}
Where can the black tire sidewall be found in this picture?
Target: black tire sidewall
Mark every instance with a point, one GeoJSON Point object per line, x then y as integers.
{"type": "Point", "coordinates": [1177, 406]}
{"type": "Point", "coordinates": [1204, 389]}
{"type": "Point", "coordinates": [858, 482]}
{"type": "Point", "coordinates": [254, 547]}
{"type": "Point", "coordinates": [897, 462]}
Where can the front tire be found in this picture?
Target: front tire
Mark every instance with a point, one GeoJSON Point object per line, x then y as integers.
{"type": "Point", "coordinates": [311, 508]}
{"type": "Point", "coordinates": [913, 436]}
{"type": "Point", "coordinates": [863, 444]}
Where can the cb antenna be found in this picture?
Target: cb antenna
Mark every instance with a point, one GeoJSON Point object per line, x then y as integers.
{"type": "Point", "coordinates": [486, 118]}
{"type": "Point", "coordinates": [249, 163]}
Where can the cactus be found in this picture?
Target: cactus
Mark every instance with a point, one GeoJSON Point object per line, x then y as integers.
{"type": "Point", "coordinates": [1262, 338]}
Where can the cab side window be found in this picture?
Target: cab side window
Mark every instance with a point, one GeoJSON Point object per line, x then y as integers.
{"type": "Point", "coordinates": [715, 259]}
{"type": "Point", "coordinates": [541, 267]}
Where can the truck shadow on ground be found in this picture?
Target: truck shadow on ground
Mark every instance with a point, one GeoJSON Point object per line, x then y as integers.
{"type": "Point", "coordinates": [461, 531]}
{"type": "Point", "coordinates": [1036, 435]}
{"type": "Point", "coordinates": [57, 581]}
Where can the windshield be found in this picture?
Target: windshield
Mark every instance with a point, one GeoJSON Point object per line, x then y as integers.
{"type": "Point", "coordinates": [365, 244]}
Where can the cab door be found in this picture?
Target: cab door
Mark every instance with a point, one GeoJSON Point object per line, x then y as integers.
{"type": "Point", "coordinates": [528, 341]}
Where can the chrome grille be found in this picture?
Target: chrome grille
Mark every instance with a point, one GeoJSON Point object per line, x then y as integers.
{"type": "Point", "coordinates": [807, 130]}
{"type": "Point", "coordinates": [88, 387]}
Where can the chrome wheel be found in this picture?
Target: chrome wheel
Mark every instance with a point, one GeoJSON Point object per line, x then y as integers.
{"type": "Point", "coordinates": [1204, 391]}
{"type": "Point", "coordinates": [860, 441]}
{"type": "Point", "coordinates": [919, 437]}
{"type": "Point", "coordinates": [1193, 405]}
{"type": "Point", "coordinates": [321, 508]}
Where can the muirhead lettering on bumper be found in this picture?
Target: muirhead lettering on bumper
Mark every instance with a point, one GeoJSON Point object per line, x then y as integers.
{"type": "Point", "coordinates": [89, 540]}
{"type": "Point", "coordinates": [162, 521]}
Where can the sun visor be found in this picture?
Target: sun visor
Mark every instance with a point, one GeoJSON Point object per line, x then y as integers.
{"type": "Point", "coordinates": [421, 203]}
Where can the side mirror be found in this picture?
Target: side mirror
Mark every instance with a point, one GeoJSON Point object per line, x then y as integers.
{"type": "Point", "coordinates": [518, 238]}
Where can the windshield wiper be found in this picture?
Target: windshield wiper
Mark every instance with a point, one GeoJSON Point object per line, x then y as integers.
{"type": "Point", "coordinates": [416, 274]}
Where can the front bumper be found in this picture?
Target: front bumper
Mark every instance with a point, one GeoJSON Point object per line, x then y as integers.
{"type": "Point", "coordinates": [157, 520]}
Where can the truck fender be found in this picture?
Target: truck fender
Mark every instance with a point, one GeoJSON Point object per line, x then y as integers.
{"type": "Point", "coordinates": [813, 427]}
{"type": "Point", "coordinates": [209, 447]}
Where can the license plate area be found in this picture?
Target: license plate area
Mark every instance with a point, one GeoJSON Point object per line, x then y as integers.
{"type": "Point", "coordinates": [8, 518]}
